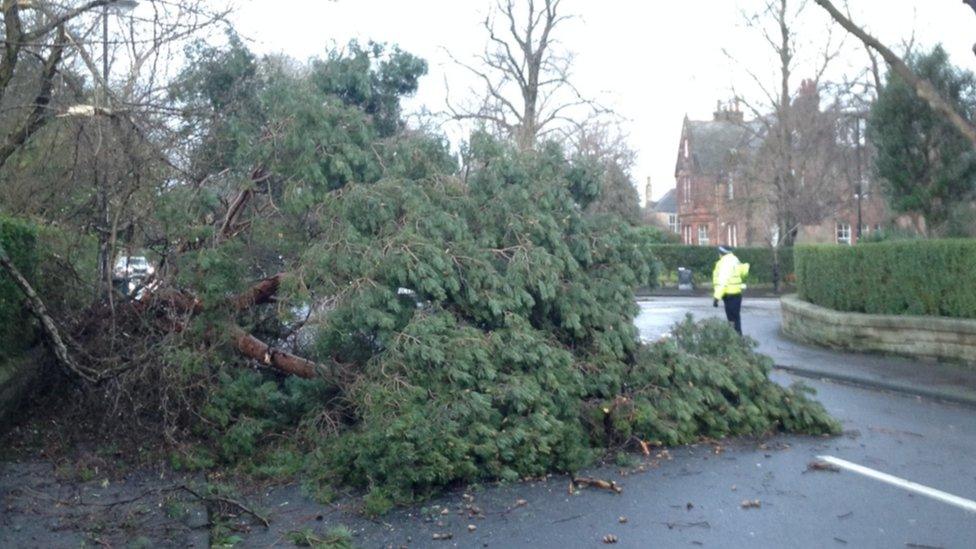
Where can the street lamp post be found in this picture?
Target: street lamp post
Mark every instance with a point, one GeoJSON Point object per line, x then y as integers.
{"type": "Point", "coordinates": [104, 254]}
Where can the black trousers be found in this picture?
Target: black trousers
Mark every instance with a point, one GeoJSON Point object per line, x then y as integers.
{"type": "Point", "coordinates": [733, 306]}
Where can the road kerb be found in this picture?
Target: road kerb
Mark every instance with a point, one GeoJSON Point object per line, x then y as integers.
{"type": "Point", "coordinates": [965, 399]}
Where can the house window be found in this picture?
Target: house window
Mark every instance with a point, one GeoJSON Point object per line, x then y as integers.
{"type": "Point", "coordinates": [732, 235]}
{"type": "Point", "coordinates": [687, 235]}
{"type": "Point", "coordinates": [865, 230]}
{"type": "Point", "coordinates": [686, 194]}
{"type": "Point", "coordinates": [673, 225]}
{"type": "Point", "coordinates": [843, 233]}
{"type": "Point", "coordinates": [730, 190]}
{"type": "Point", "coordinates": [703, 235]}
{"type": "Point", "coordinates": [686, 148]}
{"type": "Point", "coordinates": [877, 228]}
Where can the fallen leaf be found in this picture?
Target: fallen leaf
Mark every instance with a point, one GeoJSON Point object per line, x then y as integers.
{"type": "Point", "coordinates": [610, 538]}
{"type": "Point", "coordinates": [645, 449]}
{"type": "Point", "coordinates": [622, 520]}
{"type": "Point", "coordinates": [472, 528]}
{"type": "Point", "coordinates": [690, 506]}
{"type": "Point", "coordinates": [442, 536]}
{"type": "Point", "coordinates": [521, 503]}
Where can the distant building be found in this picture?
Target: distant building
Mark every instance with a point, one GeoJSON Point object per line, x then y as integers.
{"type": "Point", "coordinates": [715, 194]}
{"type": "Point", "coordinates": [707, 174]}
{"type": "Point", "coordinates": [664, 212]}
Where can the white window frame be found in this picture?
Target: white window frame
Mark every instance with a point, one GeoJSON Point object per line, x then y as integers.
{"type": "Point", "coordinates": [844, 233]}
{"type": "Point", "coordinates": [686, 195]}
{"type": "Point", "coordinates": [703, 239]}
{"type": "Point", "coordinates": [730, 187]}
{"type": "Point", "coordinates": [674, 225]}
{"type": "Point", "coordinates": [732, 235]}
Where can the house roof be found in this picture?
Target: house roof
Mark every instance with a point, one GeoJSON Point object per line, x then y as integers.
{"type": "Point", "coordinates": [667, 204]}
{"type": "Point", "coordinates": [713, 141]}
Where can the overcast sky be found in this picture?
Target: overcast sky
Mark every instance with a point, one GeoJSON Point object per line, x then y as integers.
{"type": "Point", "coordinates": [652, 61]}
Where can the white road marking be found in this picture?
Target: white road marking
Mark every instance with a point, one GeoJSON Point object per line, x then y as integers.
{"type": "Point", "coordinates": [944, 497]}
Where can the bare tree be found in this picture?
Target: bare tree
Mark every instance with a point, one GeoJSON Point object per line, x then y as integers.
{"type": "Point", "coordinates": [797, 171]}
{"type": "Point", "coordinates": [527, 90]}
{"type": "Point", "coordinates": [97, 129]}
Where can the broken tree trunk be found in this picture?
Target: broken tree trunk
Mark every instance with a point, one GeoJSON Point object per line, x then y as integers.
{"type": "Point", "coordinates": [36, 306]}
{"type": "Point", "coordinates": [288, 363]}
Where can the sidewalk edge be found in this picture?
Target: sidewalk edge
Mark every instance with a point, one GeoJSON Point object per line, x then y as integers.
{"type": "Point", "coordinates": [911, 390]}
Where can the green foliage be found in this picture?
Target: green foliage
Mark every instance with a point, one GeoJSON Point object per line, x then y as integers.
{"type": "Point", "coordinates": [372, 80]}
{"type": "Point", "coordinates": [705, 380]}
{"type": "Point", "coordinates": [19, 239]}
{"type": "Point", "coordinates": [701, 260]}
{"type": "Point", "coordinates": [925, 163]}
{"type": "Point", "coordinates": [911, 277]}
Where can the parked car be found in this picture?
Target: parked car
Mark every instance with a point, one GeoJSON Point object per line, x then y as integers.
{"type": "Point", "coordinates": [131, 267]}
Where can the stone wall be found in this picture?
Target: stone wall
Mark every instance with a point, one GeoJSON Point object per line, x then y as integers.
{"type": "Point", "coordinates": [913, 336]}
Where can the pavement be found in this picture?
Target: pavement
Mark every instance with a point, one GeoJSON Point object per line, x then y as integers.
{"type": "Point", "coordinates": [951, 382]}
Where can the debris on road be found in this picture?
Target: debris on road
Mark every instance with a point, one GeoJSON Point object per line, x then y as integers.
{"type": "Point", "coordinates": [610, 538]}
{"type": "Point", "coordinates": [597, 483]}
{"type": "Point", "coordinates": [442, 536]}
{"type": "Point", "coordinates": [472, 528]}
{"type": "Point", "coordinates": [622, 520]}
{"type": "Point", "coordinates": [751, 504]}
{"type": "Point", "coordinates": [818, 465]}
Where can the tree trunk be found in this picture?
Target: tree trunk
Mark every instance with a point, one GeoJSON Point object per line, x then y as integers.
{"type": "Point", "coordinates": [39, 310]}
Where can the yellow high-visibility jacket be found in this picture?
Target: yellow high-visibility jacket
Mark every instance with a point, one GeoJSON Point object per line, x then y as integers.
{"type": "Point", "coordinates": [728, 277]}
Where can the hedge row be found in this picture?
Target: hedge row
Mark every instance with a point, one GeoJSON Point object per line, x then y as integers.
{"type": "Point", "coordinates": [20, 241]}
{"type": "Point", "coordinates": [921, 277]}
{"type": "Point", "coordinates": [701, 260]}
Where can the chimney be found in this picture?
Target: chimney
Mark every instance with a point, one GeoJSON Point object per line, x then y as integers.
{"type": "Point", "coordinates": [728, 113]}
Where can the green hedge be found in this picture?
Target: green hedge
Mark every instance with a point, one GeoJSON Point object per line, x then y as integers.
{"type": "Point", "coordinates": [20, 241]}
{"type": "Point", "coordinates": [701, 260]}
{"type": "Point", "coordinates": [921, 277]}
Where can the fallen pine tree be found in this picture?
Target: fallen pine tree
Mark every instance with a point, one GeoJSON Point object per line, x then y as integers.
{"type": "Point", "coordinates": [479, 322]}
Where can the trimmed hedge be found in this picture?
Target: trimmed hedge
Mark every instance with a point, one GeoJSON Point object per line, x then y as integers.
{"type": "Point", "coordinates": [921, 277]}
{"type": "Point", "coordinates": [701, 260]}
{"type": "Point", "coordinates": [16, 330]}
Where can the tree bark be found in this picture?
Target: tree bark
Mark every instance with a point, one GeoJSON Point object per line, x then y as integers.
{"type": "Point", "coordinates": [284, 361]}
{"type": "Point", "coordinates": [36, 306]}
{"type": "Point", "coordinates": [923, 88]}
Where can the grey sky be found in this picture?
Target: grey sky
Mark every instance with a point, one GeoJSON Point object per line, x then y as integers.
{"type": "Point", "coordinates": [651, 61]}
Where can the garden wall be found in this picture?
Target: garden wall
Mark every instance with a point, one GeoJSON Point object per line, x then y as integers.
{"type": "Point", "coordinates": [907, 335]}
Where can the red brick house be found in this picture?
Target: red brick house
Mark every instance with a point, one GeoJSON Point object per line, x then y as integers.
{"type": "Point", "coordinates": [707, 175]}
{"type": "Point", "coordinates": [713, 190]}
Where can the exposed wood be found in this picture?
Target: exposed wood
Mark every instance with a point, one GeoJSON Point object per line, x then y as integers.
{"type": "Point", "coordinates": [284, 361]}
{"type": "Point", "coordinates": [922, 87]}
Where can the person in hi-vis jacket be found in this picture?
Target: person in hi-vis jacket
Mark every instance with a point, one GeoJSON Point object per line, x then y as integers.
{"type": "Point", "coordinates": [728, 282]}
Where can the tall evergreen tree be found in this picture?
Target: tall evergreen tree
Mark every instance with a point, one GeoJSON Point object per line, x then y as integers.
{"type": "Point", "coordinates": [925, 163]}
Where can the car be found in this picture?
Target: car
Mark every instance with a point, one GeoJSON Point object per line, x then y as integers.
{"type": "Point", "coordinates": [132, 267]}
